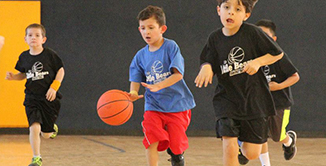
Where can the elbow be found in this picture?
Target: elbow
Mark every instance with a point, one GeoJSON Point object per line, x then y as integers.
{"type": "Point", "coordinates": [297, 76]}
{"type": "Point", "coordinates": [280, 56]}
{"type": "Point", "coordinates": [179, 76]}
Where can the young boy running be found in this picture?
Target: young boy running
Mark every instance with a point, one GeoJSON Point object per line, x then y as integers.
{"type": "Point", "coordinates": [281, 76]}
{"type": "Point", "coordinates": [43, 71]}
{"type": "Point", "coordinates": [243, 102]}
{"type": "Point", "coordinates": [159, 67]}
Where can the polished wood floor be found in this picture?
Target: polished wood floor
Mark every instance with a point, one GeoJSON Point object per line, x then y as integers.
{"type": "Point", "coordinates": [128, 151]}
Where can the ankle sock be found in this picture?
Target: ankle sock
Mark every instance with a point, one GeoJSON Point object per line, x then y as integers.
{"type": "Point", "coordinates": [287, 144]}
{"type": "Point", "coordinates": [264, 159]}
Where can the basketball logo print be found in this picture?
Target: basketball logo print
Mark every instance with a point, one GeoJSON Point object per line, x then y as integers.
{"type": "Point", "coordinates": [37, 67]}
{"type": "Point", "coordinates": [157, 67]}
{"type": "Point", "coordinates": [266, 70]}
{"type": "Point", "coordinates": [236, 55]}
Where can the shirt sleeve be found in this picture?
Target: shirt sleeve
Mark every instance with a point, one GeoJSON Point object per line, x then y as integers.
{"type": "Point", "coordinates": [136, 73]}
{"type": "Point", "coordinates": [287, 66]}
{"type": "Point", "coordinates": [209, 54]}
{"type": "Point", "coordinates": [177, 60]}
{"type": "Point", "coordinates": [19, 65]}
{"type": "Point", "coordinates": [265, 44]}
{"type": "Point", "coordinates": [56, 61]}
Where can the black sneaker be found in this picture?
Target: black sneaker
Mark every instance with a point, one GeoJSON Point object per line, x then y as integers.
{"type": "Point", "coordinates": [176, 160]}
{"type": "Point", "coordinates": [242, 159]}
{"type": "Point", "coordinates": [291, 151]}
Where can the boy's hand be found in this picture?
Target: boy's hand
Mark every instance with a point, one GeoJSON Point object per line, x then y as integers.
{"type": "Point", "coordinates": [151, 87]}
{"type": "Point", "coordinates": [9, 76]}
{"type": "Point", "coordinates": [134, 96]}
{"type": "Point", "coordinates": [204, 76]}
{"type": "Point", "coordinates": [252, 67]}
{"type": "Point", "coordinates": [274, 86]}
{"type": "Point", "coordinates": [51, 94]}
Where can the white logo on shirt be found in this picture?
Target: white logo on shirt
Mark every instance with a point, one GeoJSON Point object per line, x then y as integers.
{"type": "Point", "coordinates": [266, 70]}
{"type": "Point", "coordinates": [36, 72]}
{"type": "Point", "coordinates": [156, 74]}
{"type": "Point", "coordinates": [233, 64]}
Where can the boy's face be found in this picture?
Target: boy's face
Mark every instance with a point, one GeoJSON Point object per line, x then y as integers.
{"type": "Point", "coordinates": [34, 37]}
{"type": "Point", "coordinates": [268, 32]}
{"type": "Point", "coordinates": [232, 14]}
{"type": "Point", "coordinates": [151, 31]}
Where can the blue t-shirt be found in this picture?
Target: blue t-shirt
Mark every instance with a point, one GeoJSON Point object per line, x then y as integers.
{"type": "Point", "coordinates": [154, 67]}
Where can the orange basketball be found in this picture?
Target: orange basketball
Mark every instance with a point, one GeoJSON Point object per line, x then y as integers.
{"type": "Point", "coordinates": [114, 107]}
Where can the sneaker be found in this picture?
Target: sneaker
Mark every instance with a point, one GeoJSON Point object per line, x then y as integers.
{"type": "Point", "coordinates": [242, 159]}
{"type": "Point", "coordinates": [36, 161]}
{"type": "Point", "coordinates": [56, 129]}
{"type": "Point", "coordinates": [176, 160]}
{"type": "Point", "coordinates": [291, 151]}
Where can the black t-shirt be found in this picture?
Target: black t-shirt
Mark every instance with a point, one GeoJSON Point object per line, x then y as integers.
{"type": "Point", "coordinates": [239, 95]}
{"type": "Point", "coordinates": [40, 70]}
{"type": "Point", "coordinates": [279, 72]}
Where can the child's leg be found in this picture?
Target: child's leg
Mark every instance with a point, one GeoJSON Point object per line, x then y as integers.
{"type": "Point", "coordinates": [230, 151]}
{"type": "Point", "coordinates": [152, 154]}
{"type": "Point", "coordinates": [35, 139]}
{"type": "Point", "coordinates": [264, 156]}
{"type": "Point", "coordinates": [251, 150]}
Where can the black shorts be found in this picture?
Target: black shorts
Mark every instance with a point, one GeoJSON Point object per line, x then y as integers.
{"type": "Point", "coordinates": [277, 124]}
{"type": "Point", "coordinates": [38, 109]}
{"type": "Point", "coordinates": [253, 131]}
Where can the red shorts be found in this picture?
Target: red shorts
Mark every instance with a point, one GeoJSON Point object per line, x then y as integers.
{"type": "Point", "coordinates": [169, 129]}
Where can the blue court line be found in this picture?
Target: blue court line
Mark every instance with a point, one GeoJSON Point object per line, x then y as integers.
{"type": "Point", "coordinates": [108, 145]}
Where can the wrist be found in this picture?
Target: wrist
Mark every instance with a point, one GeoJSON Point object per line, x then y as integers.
{"type": "Point", "coordinates": [55, 85]}
{"type": "Point", "coordinates": [134, 92]}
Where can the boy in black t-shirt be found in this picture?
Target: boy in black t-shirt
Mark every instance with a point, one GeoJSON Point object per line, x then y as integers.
{"type": "Point", "coordinates": [281, 76]}
{"type": "Point", "coordinates": [242, 103]}
{"type": "Point", "coordinates": [44, 72]}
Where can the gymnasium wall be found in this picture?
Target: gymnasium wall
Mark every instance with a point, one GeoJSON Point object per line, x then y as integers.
{"type": "Point", "coordinates": [98, 39]}
{"type": "Point", "coordinates": [15, 16]}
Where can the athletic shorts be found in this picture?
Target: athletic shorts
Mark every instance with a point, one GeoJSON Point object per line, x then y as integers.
{"type": "Point", "coordinates": [277, 124]}
{"type": "Point", "coordinates": [38, 109]}
{"type": "Point", "coordinates": [253, 131]}
{"type": "Point", "coordinates": [169, 129]}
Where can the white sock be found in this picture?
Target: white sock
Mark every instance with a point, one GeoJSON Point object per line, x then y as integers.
{"type": "Point", "coordinates": [264, 159]}
{"type": "Point", "coordinates": [287, 144]}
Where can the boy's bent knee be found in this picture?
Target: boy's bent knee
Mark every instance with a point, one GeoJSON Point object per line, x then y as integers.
{"type": "Point", "coordinates": [46, 135]}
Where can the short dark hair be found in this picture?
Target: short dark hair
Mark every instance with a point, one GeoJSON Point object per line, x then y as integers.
{"type": "Point", "coordinates": [35, 25]}
{"type": "Point", "coordinates": [151, 11]}
{"type": "Point", "coordinates": [268, 24]}
{"type": "Point", "coordinates": [248, 4]}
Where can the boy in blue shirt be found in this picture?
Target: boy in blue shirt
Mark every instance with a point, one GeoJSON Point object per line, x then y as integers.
{"type": "Point", "coordinates": [159, 67]}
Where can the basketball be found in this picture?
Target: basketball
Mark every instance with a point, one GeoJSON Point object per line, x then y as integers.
{"type": "Point", "coordinates": [114, 107]}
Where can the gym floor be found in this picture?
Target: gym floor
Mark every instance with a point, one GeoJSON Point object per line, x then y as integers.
{"type": "Point", "coordinates": [85, 150]}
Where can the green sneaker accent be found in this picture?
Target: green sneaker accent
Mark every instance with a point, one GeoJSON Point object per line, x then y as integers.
{"type": "Point", "coordinates": [36, 161]}
{"type": "Point", "coordinates": [56, 129]}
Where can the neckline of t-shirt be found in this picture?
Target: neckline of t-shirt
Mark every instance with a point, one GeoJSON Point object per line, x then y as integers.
{"type": "Point", "coordinates": [153, 52]}
{"type": "Point", "coordinates": [233, 34]}
{"type": "Point", "coordinates": [36, 54]}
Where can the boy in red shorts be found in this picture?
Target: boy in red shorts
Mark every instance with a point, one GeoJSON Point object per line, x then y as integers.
{"type": "Point", "coordinates": [159, 67]}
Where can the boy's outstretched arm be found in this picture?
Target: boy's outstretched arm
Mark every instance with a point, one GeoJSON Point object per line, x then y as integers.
{"type": "Point", "coordinates": [252, 67]}
{"type": "Point", "coordinates": [134, 88]}
{"type": "Point", "coordinates": [52, 92]}
{"type": "Point", "coordinates": [18, 76]}
{"type": "Point", "coordinates": [174, 78]}
{"type": "Point", "coordinates": [274, 86]}
{"type": "Point", "coordinates": [204, 76]}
